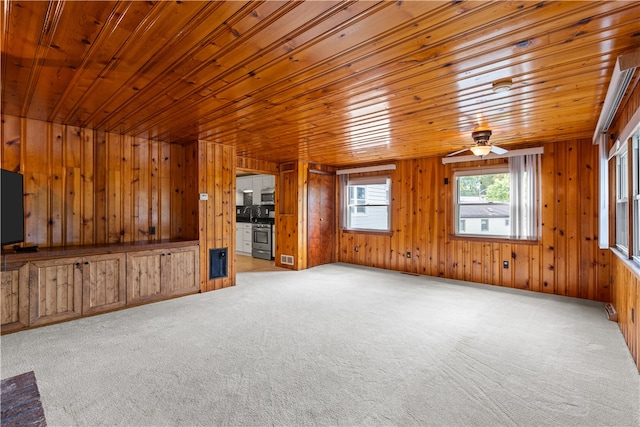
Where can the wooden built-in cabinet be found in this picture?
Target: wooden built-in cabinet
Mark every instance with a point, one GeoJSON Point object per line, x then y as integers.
{"type": "Point", "coordinates": [180, 271]}
{"type": "Point", "coordinates": [161, 273]}
{"type": "Point", "coordinates": [65, 288]}
{"type": "Point", "coordinates": [55, 290]}
{"type": "Point", "coordinates": [48, 287]}
{"type": "Point", "coordinates": [104, 283]}
{"type": "Point", "coordinates": [14, 297]}
{"type": "Point", "coordinates": [143, 276]}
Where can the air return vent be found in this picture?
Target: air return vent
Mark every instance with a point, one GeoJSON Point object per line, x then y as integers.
{"type": "Point", "coordinates": [286, 259]}
{"type": "Point", "coordinates": [217, 263]}
{"type": "Point", "coordinates": [611, 312]}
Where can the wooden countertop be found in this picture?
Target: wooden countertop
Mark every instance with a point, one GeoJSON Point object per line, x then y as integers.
{"type": "Point", "coordinates": [101, 249]}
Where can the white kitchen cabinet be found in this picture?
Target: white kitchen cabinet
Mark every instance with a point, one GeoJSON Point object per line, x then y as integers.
{"type": "Point", "coordinates": [268, 181]}
{"type": "Point", "coordinates": [243, 237]}
{"type": "Point", "coordinates": [243, 184]}
{"type": "Point", "coordinates": [256, 182]}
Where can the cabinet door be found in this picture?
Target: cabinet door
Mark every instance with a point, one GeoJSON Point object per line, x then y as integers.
{"type": "Point", "coordinates": [14, 297]}
{"type": "Point", "coordinates": [247, 239]}
{"type": "Point", "coordinates": [55, 290]}
{"type": "Point", "coordinates": [144, 276]}
{"type": "Point", "coordinates": [268, 181]}
{"type": "Point", "coordinates": [239, 237]}
{"type": "Point", "coordinates": [257, 188]}
{"type": "Point", "coordinates": [180, 271]}
{"type": "Point", "coordinates": [104, 283]}
{"type": "Point", "coordinates": [245, 183]}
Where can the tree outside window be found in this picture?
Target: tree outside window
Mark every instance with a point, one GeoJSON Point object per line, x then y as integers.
{"type": "Point", "coordinates": [498, 201]}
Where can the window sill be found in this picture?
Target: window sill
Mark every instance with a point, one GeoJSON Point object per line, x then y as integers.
{"type": "Point", "coordinates": [631, 264]}
{"type": "Point", "coordinates": [488, 239]}
{"type": "Point", "coordinates": [373, 232]}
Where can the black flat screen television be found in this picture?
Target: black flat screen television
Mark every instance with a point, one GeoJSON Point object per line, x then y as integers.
{"type": "Point", "coordinates": [11, 207]}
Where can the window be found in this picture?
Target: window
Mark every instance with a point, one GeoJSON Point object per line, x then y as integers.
{"type": "Point", "coordinates": [622, 199]}
{"type": "Point", "coordinates": [357, 198]}
{"type": "Point", "coordinates": [625, 161]}
{"type": "Point", "coordinates": [367, 203]}
{"type": "Point", "coordinates": [636, 195]}
{"type": "Point", "coordinates": [499, 201]}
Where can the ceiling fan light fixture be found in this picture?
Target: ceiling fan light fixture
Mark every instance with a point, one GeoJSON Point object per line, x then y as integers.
{"type": "Point", "coordinates": [481, 150]}
{"type": "Point", "coordinates": [502, 85]}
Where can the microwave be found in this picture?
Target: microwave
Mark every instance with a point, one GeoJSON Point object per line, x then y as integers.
{"type": "Point", "coordinates": [267, 196]}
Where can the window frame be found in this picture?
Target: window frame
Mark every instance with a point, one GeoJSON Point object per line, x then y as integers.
{"type": "Point", "coordinates": [488, 170]}
{"type": "Point", "coordinates": [359, 206]}
{"type": "Point", "coordinates": [622, 181]}
{"type": "Point", "coordinates": [364, 181]}
{"type": "Point", "coordinates": [635, 199]}
{"type": "Point", "coordinates": [534, 210]}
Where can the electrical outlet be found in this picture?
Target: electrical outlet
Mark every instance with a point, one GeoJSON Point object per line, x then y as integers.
{"type": "Point", "coordinates": [357, 249]}
{"type": "Point", "coordinates": [505, 264]}
{"type": "Point", "coordinates": [152, 231]}
{"type": "Point", "coordinates": [408, 254]}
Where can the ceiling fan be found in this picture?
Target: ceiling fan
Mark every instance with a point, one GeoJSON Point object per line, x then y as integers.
{"type": "Point", "coordinates": [482, 147]}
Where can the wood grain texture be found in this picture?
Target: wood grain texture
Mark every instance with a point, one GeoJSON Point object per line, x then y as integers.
{"type": "Point", "coordinates": [183, 266]}
{"type": "Point", "coordinates": [291, 220]}
{"type": "Point", "coordinates": [55, 290]}
{"type": "Point", "coordinates": [104, 283]}
{"type": "Point", "coordinates": [626, 299]}
{"type": "Point", "coordinates": [216, 169]}
{"type": "Point", "coordinates": [256, 165]}
{"type": "Point", "coordinates": [565, 261]}
{"type": "Point", "coordinates": [321, 218]}
{"type": "Point", "coordinates": [84, 186]}
{"type": "Point", "coordinates": [144, 276]}
{"type": "Point", "coordinates": [14, 297]}
{"type": "Point", "coordinates": [329, 82]}
{"type": "Point", "coordinates": [624, 277]}
{"type": "Point", "coordinates": [59, 284]}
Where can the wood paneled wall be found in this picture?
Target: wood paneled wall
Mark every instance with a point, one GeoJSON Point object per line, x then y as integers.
{"type": "Point", "coordinates": [291, 214]}
{"type": "Point", "coordinates": [625, 276]}
{"type": "Point", "coordinates": [626, 300]}
{"type": "Point", "coordinates": [84, 186]}
{"type": "Point", "coordinates": [217, 215]}
{"type": "Point", "coordinates": [256, 165]}
{"type": "Point", "coordinates": [566, 260]}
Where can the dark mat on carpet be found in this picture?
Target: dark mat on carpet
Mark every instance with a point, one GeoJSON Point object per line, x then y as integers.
{"type": "Point", "coordinates": [20, 401]}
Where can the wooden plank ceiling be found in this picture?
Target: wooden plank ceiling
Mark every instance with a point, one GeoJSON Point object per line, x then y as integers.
{"type": "Point", "coordinates": [331, 82]}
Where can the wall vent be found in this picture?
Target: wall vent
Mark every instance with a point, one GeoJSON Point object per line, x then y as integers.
{"type": "Point", "coordinates": [286, 259]}
{"type": "Point", "coordinates": [611, 312]}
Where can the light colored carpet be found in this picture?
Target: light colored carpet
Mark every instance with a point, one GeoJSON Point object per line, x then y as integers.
{"type": "Point", "coordinates": [336, 345]}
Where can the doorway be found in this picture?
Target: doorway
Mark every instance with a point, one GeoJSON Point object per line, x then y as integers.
{"type": "Point", "coordinates": [255, 221]}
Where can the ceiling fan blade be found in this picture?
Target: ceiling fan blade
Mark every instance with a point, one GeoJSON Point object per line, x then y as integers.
{"type": "Point", "coordinates": [457, 152]}
{"type": "Point", "coordinates": [498, 150]}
